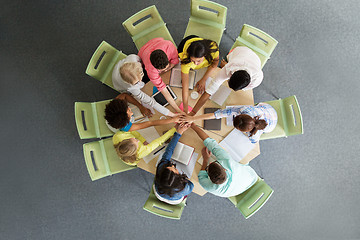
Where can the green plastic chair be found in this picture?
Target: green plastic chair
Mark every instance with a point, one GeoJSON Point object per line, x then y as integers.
{"type": "Point", "coordinates": [102, 63]}
{"type": "Point", "coordinates": [207, 20]}
{"type": "Point", "coordinates": [146, 25]}
{"type": "Point", "coordinates": [162, 209]}
{"type": "Point", "coordinates": [90, 121]}
{"type": "Point", "coordinates": [101, 159]}
{"type": "Point", "coordinates": [289, 118]}
{"type": "Point", "coordinates": [258, 41]}
{"type": "Point", "coordinates": [250, 201]}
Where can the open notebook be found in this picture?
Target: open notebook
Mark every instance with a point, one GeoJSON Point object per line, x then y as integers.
{"type": "Point", "coordinates": [237, 145]}
{"type": "Point", "coordinates": [182, 153]}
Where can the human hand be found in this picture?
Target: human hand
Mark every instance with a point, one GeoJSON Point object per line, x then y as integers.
{"type": "Point", "coordinates": [145, 111]}
{"type": "Point", "coordinates": [200, 86]}
{"type": "Point", "coordinates": [205, 153]}
{"type": "Point", "coordinates": [223, 63]}
{"type": "Point", "coordinates": [176, 118]}
{"type": "Point", "coordinates": [182, 127]}
{"type": "Point", "coordinates": [186, 118]}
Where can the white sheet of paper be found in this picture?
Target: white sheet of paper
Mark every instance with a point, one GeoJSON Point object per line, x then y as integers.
{"type": "Point", "coordinates": [221, 95]}
{"type": "Point", "coordinates": [237, 145]}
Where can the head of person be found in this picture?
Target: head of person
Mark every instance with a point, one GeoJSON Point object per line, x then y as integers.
{"type": "Point", "coordinates": [216, 173]}
{"type": "Point", "coordinates": [159, 59]}
{"type": "Point", "coordinates": [169, 181]}
{"type": "Point", "coordinates": [127, 149]}
{"type": "Point", "coordinates": [246, 123]}
{"type": "Point", "coordinates": [200, 50]}
{"type": "Point", "coordinates": [239, 80]}
{"type": "Point", "coordinates": [131, 72]}
{"type": "Point", "coordinates": [118, 113]}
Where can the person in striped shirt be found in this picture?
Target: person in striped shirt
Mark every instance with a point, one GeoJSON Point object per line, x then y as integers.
{"type": "Point", "coordinates": [253, 120]}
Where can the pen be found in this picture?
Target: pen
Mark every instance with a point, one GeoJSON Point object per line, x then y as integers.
{"type": "Point", "coordinates": [159, 150]}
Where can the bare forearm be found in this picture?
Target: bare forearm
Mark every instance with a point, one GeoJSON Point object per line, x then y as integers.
{"type": "Point", "coordinates": [185, 91]}
{"type": "Point", "coordinates": [203, 116]}
{"type": "Point", "coordinates": [170, 100]}
{"type": "Point", "coordinates": [200, 103]}
{"type": "Point", "coordinates": [199, 132]}
{"type": "Point", "coordinates": [138, 126]}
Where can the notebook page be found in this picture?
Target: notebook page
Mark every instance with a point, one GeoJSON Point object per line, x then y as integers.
{"type": "Point", "coordinates": [237, 144]}
{"type": "Point", "coordinates": [177, 151]}
{"type": "Point", "coordinates": [186, 153]}
{"type": "Point", "coordinates": [221, 95]}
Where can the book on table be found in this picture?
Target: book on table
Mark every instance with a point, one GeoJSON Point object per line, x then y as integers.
{"type": "Point", "coordinates": [182, 153]}
{"type": "Point", "coordinates": [237, 144]}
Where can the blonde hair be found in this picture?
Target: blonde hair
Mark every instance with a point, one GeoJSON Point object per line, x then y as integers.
{"type": "Point", "coordinates": [131, 72]}
{"type": "Point", "coordinates": [127, 150]}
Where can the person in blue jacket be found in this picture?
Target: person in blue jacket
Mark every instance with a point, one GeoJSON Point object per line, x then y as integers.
{"type": "Point", "coordinates": [170, 185]}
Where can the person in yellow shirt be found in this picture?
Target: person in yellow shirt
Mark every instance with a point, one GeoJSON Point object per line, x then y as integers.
{"type": "Point", "coordinates": [196, 53]}
{"type": "Point", "coordinates": [131, 146]}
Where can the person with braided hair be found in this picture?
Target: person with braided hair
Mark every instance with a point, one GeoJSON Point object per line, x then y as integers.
{"type": "Point", "coordinates": [253, 120]}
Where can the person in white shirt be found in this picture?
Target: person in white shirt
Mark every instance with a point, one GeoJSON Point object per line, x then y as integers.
{"type": "Point", "coordinates": [243, 72]}
{"type": "Point", "coordinates": [129, 75]}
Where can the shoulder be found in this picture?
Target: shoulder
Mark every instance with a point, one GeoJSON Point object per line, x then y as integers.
{"type": "Point", "coordinates": [120, 136]}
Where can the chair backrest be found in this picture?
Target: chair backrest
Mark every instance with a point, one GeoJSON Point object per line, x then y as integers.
{"type": "Point", "coordinates": [90, 121]}
{"type": "Point", "coordinates": [292, 116]}
{"type": "Point", "coordinates": [250, 201]}
{"type": "Point", "coordinates": [102, 63]}
{"type": "Point", "coordinates": [146, 25]}
{"type": "Point", "coordinates": [101, 159]}
{"type": "Point", "coordinates": [163, 209]}
{"type": "Point", "coordinates": [209, 13]}
{"type": "Point", "coordinates": [258, 41]}
{"type": "Point", "coordinates": [289, 118]}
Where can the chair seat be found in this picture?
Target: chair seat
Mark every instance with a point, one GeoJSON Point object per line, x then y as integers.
{"type": "Point", "coordinates": [204, 31]}
{"type": "Point", "coordinates": [162, 209]}
{"type": "Point", "coordinates": [279, 130]}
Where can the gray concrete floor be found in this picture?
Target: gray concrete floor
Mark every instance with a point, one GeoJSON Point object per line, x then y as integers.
{"type": "Point", "coordinates": [45, 190]}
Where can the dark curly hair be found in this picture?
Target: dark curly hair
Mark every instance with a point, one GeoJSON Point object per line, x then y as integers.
{"type": "Point", "coordinates": [168, 182]}
{"type": "Point", "coordinates": [239, 80]}
{"type": "Point", "coordinates": [159, 59]}
{"type": "Point", "coordinates": [199, 49]}
{"type": "Point", "coordinates": [116, 113]}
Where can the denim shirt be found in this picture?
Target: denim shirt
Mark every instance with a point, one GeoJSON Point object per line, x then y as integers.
{"type": "Point", "coordinates": [165, 159]}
